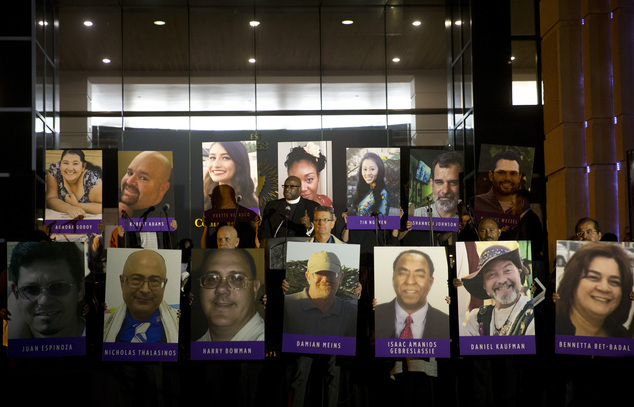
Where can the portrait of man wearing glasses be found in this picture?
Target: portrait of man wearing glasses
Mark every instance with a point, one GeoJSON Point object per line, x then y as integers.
{"type": "Point", "coordinates": [227, 290]}
{"type": "Point", "coordinates": [144, 317]}
{"type": "Point", "coordinates": [47, 280]}
{"type": "Point", "coordinates": [289, 216]}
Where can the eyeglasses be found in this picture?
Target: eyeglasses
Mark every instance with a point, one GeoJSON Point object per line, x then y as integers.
{"type": "Point", "coordinates": [290, 186]}
{"type": "Point", "coordinates": [33, 292]}
{"type": "Point", "coordinates": [588, 232]}
{"type": "Point", "coordinates": [235, 280]}
{"type": "Point", "coordinates": [138, 281]}
{"type": "Point", "coordinates": [323, 220]}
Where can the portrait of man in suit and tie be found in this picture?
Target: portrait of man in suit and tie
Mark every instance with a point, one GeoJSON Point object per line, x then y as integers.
{"type": "Point", "coordinates": [290, 216]}
{"type": "Point", "coordinates": [415, 273]}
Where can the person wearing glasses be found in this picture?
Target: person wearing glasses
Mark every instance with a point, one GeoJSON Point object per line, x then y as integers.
{"type": "Point", "coordinates": [289, 216]}
{"type": "Point", "coordinates": [144, 317]}
{"type": "Point", "coordinates": [588, 229]}
{"type": "Point", "coordinates": [47, 280]}
{"type": "Point", "coordinates": [228, 289]}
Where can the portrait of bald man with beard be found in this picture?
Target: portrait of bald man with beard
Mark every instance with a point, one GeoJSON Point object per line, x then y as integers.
{"type": "Point", "coordinates": [144, 182]}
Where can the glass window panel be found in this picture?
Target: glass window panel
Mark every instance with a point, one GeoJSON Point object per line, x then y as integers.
{"type": "Point", "coordinates": [353, 58]}
{"type": "Point", "coordinates": [524, 72]}
{"type": "Point", "coordinates": [222, 77]}
{"type": "Point", "coordinates": [523, 17]}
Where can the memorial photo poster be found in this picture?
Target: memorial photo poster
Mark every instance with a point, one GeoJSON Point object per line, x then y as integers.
{"type": "Point", "coordinates": [227, 318]}
{"type": "Point", "coordinates": [411, 312]}
{"type": "Point", "coordinates": [310, 161]}
{"type": "Point", "coordinates": [232, 164]}
{"type": "Point", "coordinates": [146, 195]}
{"type": "Point", "coordinates": [46, 293]}
{"type": "Point", "coordinates": [434, 189]}
{"type": "Point", "coordinates": [142, 301]}
{"type": "Point", "coordinates": [74, 181]}
{"type": "Point", "coordinates": [320, 304]}
{"type": "Point", "coordinates": [495, 307]}
{"type": "Point", "coordinates": [373, 188]}
{"type": "Point", "coordinates": [593, 305]}
{"type": "Point", "coordinates": [502, 171]}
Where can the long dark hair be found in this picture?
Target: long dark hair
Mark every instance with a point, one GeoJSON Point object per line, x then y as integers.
{"type": "Point", "coordinates": [577, 268]}
{"type": "Point", "coordinates": [363, 188]}
{"type": "Point", "coordinates": [241, 182]}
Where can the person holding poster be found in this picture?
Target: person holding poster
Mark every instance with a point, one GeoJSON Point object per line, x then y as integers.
{"type": "Point", "coordinates": [144, 317]}
{"type": "Point", "coordinates": [47, 280]}
{"type": "Point", "coordinates": [499, 277]}
{"type": "Point", "coordinates": [317, 310]}
{"type": "Point", "coordinates": [229, 164]}
{"type": "Point", "coordinates": [371, 196]}
{"type": "Point", "coordinates": [228, 295]}
{"type": "Point", "coordinates": [73, 185]}
{"type": "Point", "coordinates": [306, 163]}
{"type": "Point", "coordinates": [593, 293]}
{"type": "Point", "coordinates": [409, 315]}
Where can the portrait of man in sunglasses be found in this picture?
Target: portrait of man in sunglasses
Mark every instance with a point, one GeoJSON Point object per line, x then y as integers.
{"type": "Point", "coordinates": [226, 287]}
{"type": "Point", "coordinates": [47, 280]}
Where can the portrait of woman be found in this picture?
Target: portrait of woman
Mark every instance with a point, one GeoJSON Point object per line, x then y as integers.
{"type": "Point", "coordinates": [371, 195]}
{"type": "Point", "coordinates": [73, 185]}
{"type": "Point", "coordinates": [229, 164]}
{"type": "Point", "coordinates": [306, 163]}
{"type": "Point", "coordinates": [593, 293]}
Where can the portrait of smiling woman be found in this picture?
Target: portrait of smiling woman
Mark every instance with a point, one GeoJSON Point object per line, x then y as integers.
{"type": "Point", "coordinates": [229, 163]}
{"type": "Point", "coordinates": [593, 293]}
{"type": "Point", "coordinates": [371, 195]}
{"type": "Point", "coordinates": [307, 162]}
{"type": "Point", "coordinates": [73, 184]}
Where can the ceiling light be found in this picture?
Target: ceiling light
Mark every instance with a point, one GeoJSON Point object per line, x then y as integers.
{"type": "Point", "coordinates": [347, 22]}
{"type": "Point", "coordinates": [88, 23]}
{"type": "Point", "coordinates": [416, 23]}
{"type": "Point", "coordinates": [254, 23]}
{"type": "Point", "coordinates": [159, 22]}
{"type": "Point", "coordinates": [396, 59]}
{"type": "Point", "coordinates": [106, 60]}
{"type": "Point", "coordinates": [43, 23]}
{"type": "Point", "coordinates": [252, 60]}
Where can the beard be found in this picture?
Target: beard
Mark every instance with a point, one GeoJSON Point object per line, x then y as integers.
{"type": "Point", "coordinates": [508, 297]}
{"type": "Point", "coordinates": [127, 199]}
{"type": "Point", "coordinates": [446, 206]}
{"type": "Point", "coordinates": [324, 290]}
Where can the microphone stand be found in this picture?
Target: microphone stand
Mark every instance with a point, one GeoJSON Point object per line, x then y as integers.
{"type": "Point", "coordinates": [431, 223]}
{"type": "Point", "coordinates": [169, 234]}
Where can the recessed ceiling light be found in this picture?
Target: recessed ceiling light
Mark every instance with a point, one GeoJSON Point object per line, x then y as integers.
{"type": "Point", "coordinates": [252, 60]}
{"type": "Point", "coordinates": [106, 60]}
{"type": "Point", "coordinates": [254, 23]}
{"type": "Point", "coordinates": [416, 23]}
{"type": "Point", "coordinates": [347, 22]}
{"type": "Point", "coordinates": [43, 23]}
{"type": "Point", "coordinates": [396, 59]}
{"type": "Point", "coordinates": [88, 23]}
{"type": "Point", "coordinates": [458, 22]}
{"type": "Point", "coordinates": [159, 22]}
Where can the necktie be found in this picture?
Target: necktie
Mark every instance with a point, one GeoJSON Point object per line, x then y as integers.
{"type": "Point", "coordinates": [139, 333]}
{"type": "Point", "coordinates": [406, 333]}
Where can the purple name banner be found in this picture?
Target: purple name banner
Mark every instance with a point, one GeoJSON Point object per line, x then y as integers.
{"type": "Point", "coordinates": [368, 222]}
{"type": "Point", "coordinates": [412, 348]}
{"type": "Point", "coordinates": [140, 352]}
{"type": "Point", "coordinates": [227, 350]}
{"type": "Point", "coordinates": [229, 215]}
{"type": "Point", "coordinates": [150, 224]}
{"type": "Point", "coordinates": [320, 344]}
{"type": "Point", "coordinates": [46, 347]}
{"type": "Point", "coordinates": [503, 219]}
{"type": "Point", "coordinates": [74, 226]}
{"type": "Point", "coordinates": [593, 346]}
{"type": "Point", "coordinates": [497, 345]}
{"type": "Point", "coordinates": [439, 224]}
